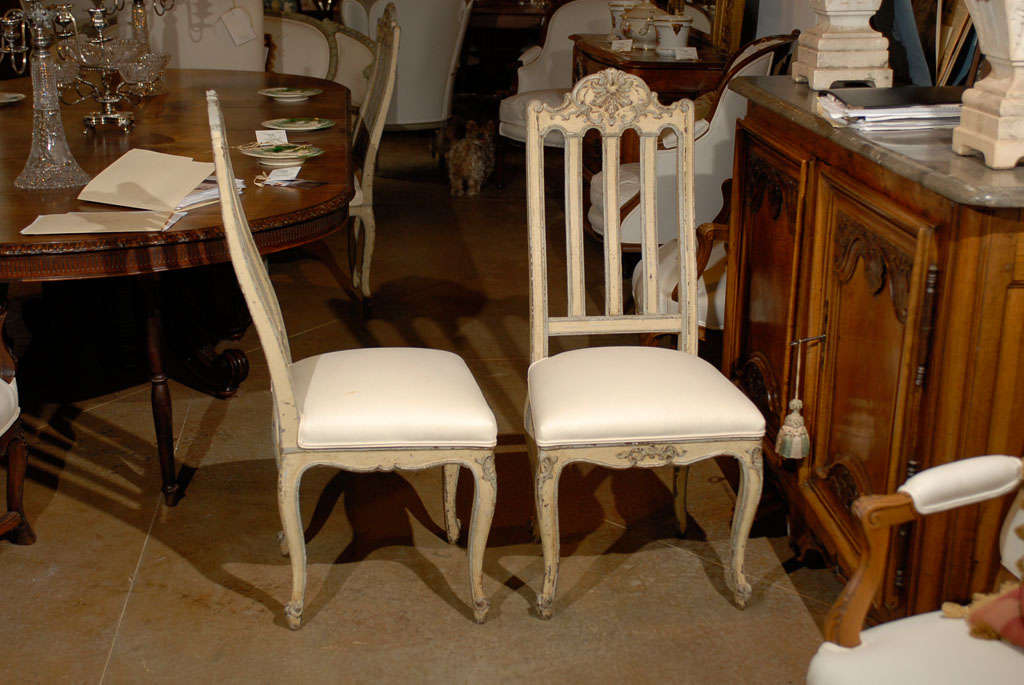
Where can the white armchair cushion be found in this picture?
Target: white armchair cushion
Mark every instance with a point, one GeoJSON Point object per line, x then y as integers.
{"type": "Point", "coordinates": [9, 409]}
{"type": "Point", "coordinates": [710, 286]}
{"type": "Point", "coordinates": [926, 648]}
{"type": "Point", "coordinates": [963, 482]}
{"type": "Point", "coordinates": [614, 395]}
{"type": "Point", "coordinates": [512, 114]}
{"type": "Point", "coordinates": [390, 397]}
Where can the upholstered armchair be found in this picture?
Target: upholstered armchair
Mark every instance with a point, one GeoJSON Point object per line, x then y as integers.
{"type": "Point", "coordinates": [303, 45]}
{"type": "Point", "coordinates": [926, 648]}
{"type": "Point", "coordinates": [432, 33]}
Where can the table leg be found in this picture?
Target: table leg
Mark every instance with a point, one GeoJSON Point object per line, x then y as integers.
{"type": "Point", "coordinates": [160, 393]}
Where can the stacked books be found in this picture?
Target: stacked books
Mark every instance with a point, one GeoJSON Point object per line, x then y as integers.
{"type": "Point", "coordinates": [903, 108]}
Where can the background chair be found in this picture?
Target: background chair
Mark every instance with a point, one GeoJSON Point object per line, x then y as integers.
{"type": "Point", "coordinates": [366, 143]}
{"type": "Point", "coordinates": [546, 74]}
{"type": "Point", "coordinates": [927, 648]}
{"type": "Point", "coordinates": [374, 409]}
{"type": "Point", "coordinates": [623, 407]}
{"type": "Point", "coordinates": [195, 37]}
{"type": "Point", "coordinates": [13, 523]}
{"type": "Point", "coordinates": [303, 45]}
{"type": "Point", "coordinates": [714, 133]}
{"type": "Point", "coordinates": [429, 57]}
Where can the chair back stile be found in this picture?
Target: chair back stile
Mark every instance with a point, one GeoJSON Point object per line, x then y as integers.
{"type": "Point", "coordinates": [611, 102]}
{"type": "Point", "coordinates": [373, 112]}
{"type": "Point", "coordinates": [254, 282]}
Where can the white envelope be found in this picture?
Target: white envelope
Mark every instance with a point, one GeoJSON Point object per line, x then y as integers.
{"type": "Point", "coordinates": [98, 222]}
{"type": "Point", "coordinates": [143, 179]}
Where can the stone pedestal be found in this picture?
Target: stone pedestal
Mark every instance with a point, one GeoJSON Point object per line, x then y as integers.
{"type": "Point", "coordinates": [843, 46]}
{"type": "Point", "coordinates": [992, 119]}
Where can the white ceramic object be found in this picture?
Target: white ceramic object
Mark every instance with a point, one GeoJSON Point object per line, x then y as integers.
{"type": "Point", "coordinates": [638, 24]}
{"type": "Point", "coordinates": [673, 32]}
{"type": "Point", "coordinates": [843, 46]}
{"type": "Point", "coordinates": [618, 8]}
{"type": "Point", "coordinates": [992, 118]}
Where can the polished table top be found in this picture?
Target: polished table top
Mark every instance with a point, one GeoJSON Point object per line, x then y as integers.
{"type": "Point", "coordinates": [175, 123]}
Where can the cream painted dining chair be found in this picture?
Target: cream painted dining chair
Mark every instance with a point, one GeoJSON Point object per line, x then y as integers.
{"type": "Point", "coordinates": [13, 524]}
{"type": "Point", "coordinates": [196, 38]}
{"type": "Point", "coordinates": [926, 648]}
{"type": "Point", "coordinates": [374, 409]}
{"type": "Point", "coordinates": [629, 406]}
{"type": "Point", "coordinates": [366, 142]}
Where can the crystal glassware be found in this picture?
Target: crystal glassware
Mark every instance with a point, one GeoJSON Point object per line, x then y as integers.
{"type": "Point", "coordinates": [50, 164]}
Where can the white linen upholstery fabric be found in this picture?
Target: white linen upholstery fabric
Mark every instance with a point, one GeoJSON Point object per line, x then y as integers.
{"type": "Point", "coordinates": [9, 409]}
{"type": "Point", "coordinates": [390, 397]}
{"type": "Point", "coordinates": [512, 114]}
{"type": "Point", "coordinates": [927, 648]}
{"type": "Point", "coordinates": [613, 395]}
{"type": "Point", "coordinates": [963, 482]}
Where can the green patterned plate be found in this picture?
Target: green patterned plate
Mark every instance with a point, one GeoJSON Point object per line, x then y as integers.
{"type": "Point", "coordinates": [300, 124]}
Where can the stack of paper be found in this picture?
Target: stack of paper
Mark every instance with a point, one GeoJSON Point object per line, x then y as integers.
{"type": "Point", "coordinates": [891, 109]}
{"type": "Point", "coordinates": [141, 179]}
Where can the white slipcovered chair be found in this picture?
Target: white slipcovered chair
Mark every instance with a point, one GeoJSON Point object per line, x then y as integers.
{"type": "Point", "coordinates": [13, 523]}
{"type": "Point", "coordinates": [926, 648]}
{"type": "Point", "coordinates": [714, 137]}
{"type": "Point", "coordinates": [322, 48]}
{"type": "Point", "coordinates": [546, 73]}
{"type": "Point", "coordinates": [195, 37]}
{"type": "Point", "coordinates": [431, 42]}
{"type": "Point", "coordinates": [630, 406]}
{"type": "Point", "coordinates": [363, 410]}
{"type": "Point", "coordinates": [366, 143]}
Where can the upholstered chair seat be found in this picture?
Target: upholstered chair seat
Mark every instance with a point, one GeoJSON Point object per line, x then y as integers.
{"type": "Point", "coordinates": [512, 114]}
{"type": "Point", "coordinates": [622, 395]}
{"type": "Point", "coordinates": [351, 398]}
{"type": "Point", "coordinates": [927, 648]}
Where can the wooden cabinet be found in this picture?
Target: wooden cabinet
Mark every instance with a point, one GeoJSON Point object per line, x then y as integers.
{"type": "Point", "coordinates": [920, 299]}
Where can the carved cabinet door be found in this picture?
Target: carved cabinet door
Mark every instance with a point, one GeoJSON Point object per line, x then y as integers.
{"type": "Point", "coordinates": [871, 293]}
{"type": "Point", "coordinates": [769, 190]}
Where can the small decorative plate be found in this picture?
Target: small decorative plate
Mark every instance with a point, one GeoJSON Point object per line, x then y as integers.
{"type": "Point", "coordinates": [9, 98]}
{"type": "Point", "coordinates": [276, 155]}
{"type": "Point", "coordinates": [300, 123]}
{"type": "Point", "coordinates": [286, 94]}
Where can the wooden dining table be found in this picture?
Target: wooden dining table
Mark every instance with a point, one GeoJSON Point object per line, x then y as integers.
{"type": "Point", "coordinates": [175, 123]}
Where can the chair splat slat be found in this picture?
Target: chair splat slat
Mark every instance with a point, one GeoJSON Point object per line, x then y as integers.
{"type": "Point", "coordinates": [649, 220]}
{"type": "Point", "coordinates": [574, 225]}
{"type": "Point", "coordinates": [612, 251]}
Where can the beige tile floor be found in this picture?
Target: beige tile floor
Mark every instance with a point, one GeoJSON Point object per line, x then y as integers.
{"type": "Point", "coordinates": [121, 589]}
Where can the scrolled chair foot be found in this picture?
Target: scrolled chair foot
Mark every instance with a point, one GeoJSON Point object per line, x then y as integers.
{"type": "Point", "coordinates": [293, 614]}
{"type": "Point", "coordinates": [480, 610]}
{"type": "Point", "coordinates": [282, 543]}
{"type": "Point", "coordinates": [741, 589]}
{"type": "Point", "coordinates": [544, 608]}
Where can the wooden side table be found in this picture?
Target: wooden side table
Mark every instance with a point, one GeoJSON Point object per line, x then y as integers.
{"type": "Point", "coordinates": [672, 79]}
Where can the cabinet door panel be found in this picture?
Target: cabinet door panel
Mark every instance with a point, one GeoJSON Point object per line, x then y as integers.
{"type": "Point", "coordinates": [874, 267]}
{"type": "Point", "coordinates": [764, 260]}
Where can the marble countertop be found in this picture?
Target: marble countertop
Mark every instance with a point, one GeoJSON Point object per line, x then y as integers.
{"type": "Point", "coordinates": [925, 157]}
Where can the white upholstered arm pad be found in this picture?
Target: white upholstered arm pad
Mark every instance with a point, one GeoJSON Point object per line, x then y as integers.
{"type": "Point", "coordinates": [529, 54]}
{"type": "Point", "coordinates": [963, 482]}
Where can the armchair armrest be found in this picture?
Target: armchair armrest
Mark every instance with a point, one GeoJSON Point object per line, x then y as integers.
{"type": "Point", "coordinates": [707, 235]}
{"type": "Point", "coordinates": [964, 482]}
{"type": "Point", "coordinates": [940, 488]}
{"type": "Point", "coordinates": [530, 54]}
